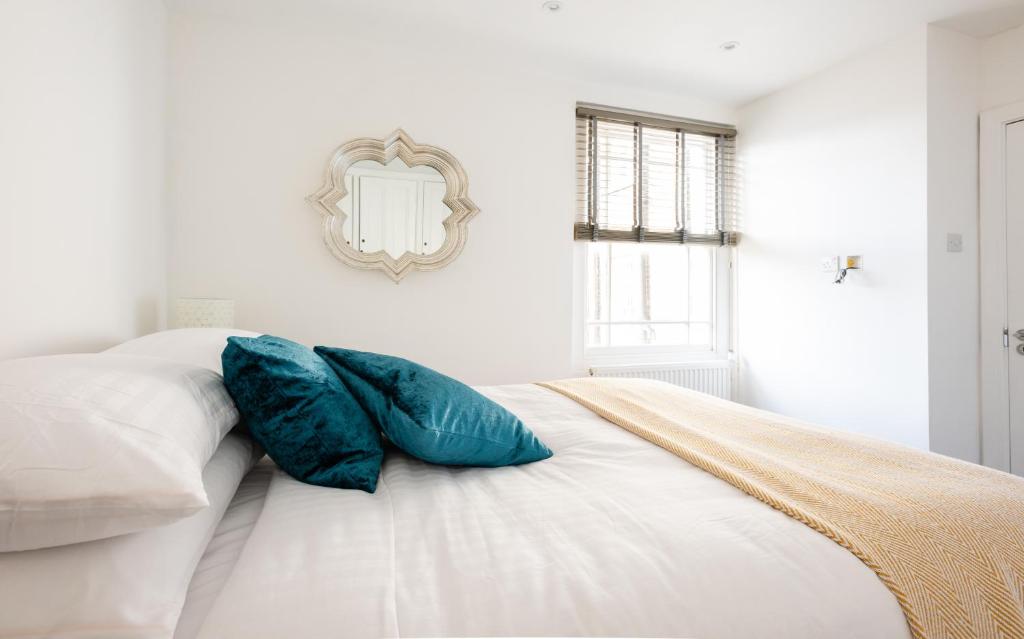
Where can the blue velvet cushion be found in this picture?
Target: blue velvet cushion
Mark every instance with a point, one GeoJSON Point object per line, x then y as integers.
{"type": "Point", "coordinates": [432, 416]}
{"type": "Point", "coordinates": [301, 413]}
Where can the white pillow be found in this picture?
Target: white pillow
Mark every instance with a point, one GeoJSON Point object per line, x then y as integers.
{"type": "Point", "coordinates": [195, 346]}
{"type": "Point", "coordinates": [98, 445]}
{"type": "Point", "coordinates": [128, 586]}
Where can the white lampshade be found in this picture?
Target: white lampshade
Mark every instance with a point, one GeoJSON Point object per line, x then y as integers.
{"type": "Point", "coordinates": [198, 312]}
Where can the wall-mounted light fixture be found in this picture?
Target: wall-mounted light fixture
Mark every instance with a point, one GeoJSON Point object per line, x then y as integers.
{"type": "Point", "coordinates": [853, 263]}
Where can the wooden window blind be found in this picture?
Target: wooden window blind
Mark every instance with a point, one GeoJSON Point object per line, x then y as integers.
{"type": "Point", "coordinates": [650, 178]}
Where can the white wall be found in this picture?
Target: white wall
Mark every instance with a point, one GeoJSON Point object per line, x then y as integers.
{"type": "Point", "coordinates": [1002, 77]}
{"type": "Point", "coordinates": [965, 76]}
{"type": "Point", "coordinates": [81, 161]}
{"type": "Point", "coordinates": [836, 165]}
{"type": "Point", "coordinates": [959, 75]}
{"type": "Point", "coordinates": [953, 88]}
{"type": "Point", "coordinates": [256, 110]}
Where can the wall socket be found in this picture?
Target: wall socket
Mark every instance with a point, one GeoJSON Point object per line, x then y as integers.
{"type": "Point", "coordinates": [830, 264]}
{"type": "Point", "coordinates": [954, 242]}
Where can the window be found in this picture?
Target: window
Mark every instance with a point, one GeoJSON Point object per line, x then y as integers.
{"type": "Point", "coordinates": [657, 205]}
{"type": "Point", "coordinates": [650, 295]}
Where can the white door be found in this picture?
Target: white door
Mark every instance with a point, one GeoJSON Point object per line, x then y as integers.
{"type": "Point", "coordinates": [1014, 181]}
{"type": "Point", "coordinates": [434, 213]}
{"type": "Point", "coordinates": [387, 215]}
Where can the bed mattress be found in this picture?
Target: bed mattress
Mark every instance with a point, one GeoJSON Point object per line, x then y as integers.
{"type": "Point", "coordinates": [612, 536]}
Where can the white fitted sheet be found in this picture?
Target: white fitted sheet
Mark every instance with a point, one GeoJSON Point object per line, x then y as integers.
{"type": "Point", "coordinates": [224, 548]}
{"type": "Point", "coordinates": [611, 536]}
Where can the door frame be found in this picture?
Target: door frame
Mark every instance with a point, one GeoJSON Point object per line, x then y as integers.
{"type": "Point", "coordinates": [995, 398]}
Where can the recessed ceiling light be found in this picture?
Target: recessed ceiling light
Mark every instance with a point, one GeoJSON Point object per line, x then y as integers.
{"type": "Point", "coordinates": [731, 45]}
{"type": "Point", "coordinates": [552, 6]}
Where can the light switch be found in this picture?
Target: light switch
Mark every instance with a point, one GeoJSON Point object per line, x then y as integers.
{"type": "Point", "coordinates": [830, 264]}
{"type": "Point", "coordinates": [954, 243]}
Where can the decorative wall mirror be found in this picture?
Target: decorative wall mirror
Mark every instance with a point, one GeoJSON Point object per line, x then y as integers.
{"type": "Point", "coordinates": [394, 205]}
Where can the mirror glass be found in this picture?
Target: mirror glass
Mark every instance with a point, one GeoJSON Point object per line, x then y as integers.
{"type": "Point", "coordinates": [394, 208]}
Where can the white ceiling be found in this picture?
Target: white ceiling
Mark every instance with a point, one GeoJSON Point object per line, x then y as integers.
{"type": "Point", "coordinates": [664, 45]}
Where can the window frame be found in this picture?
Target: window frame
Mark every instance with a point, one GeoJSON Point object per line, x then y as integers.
{"type": "Point", "coordinates": [722, 334]}
{"type": "Point", "coordinates": [722, 246]}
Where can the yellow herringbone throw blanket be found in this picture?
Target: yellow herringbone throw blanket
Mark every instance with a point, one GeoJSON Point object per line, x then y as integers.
{"type": "Point", "coordinates": [945, 536]}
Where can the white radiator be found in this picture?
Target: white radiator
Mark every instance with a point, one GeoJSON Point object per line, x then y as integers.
{"type": "Point", "coordinates": [713, 378]}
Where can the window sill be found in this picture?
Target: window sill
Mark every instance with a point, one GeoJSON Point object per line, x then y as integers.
{"type": "Point", "coordinates": [639, 357]}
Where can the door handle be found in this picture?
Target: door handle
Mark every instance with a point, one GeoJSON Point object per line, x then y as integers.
{"type": "Point", "coordinates": [1020, 349]}
{"type": "Point", "coordinates": [1019, 334]}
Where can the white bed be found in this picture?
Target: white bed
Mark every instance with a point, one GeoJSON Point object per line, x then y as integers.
{"type": "Point", "coordinates": [611, 536]}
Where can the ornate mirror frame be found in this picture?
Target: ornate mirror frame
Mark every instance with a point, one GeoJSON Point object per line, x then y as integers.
{"type": "Point", "coordinates": [398, 144]}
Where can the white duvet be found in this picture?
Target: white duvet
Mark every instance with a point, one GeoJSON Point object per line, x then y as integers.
{"type": "Point", "coordinates": [611, 536]}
